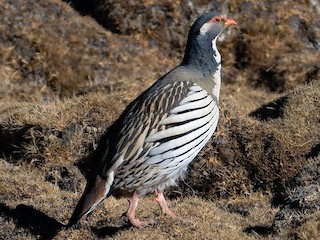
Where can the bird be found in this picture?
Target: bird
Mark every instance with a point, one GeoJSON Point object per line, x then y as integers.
{"type": "Point", "coordinates": [149, 147]}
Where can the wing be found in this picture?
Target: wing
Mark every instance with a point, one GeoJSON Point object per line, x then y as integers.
{"type": "Point", "coordinates": [140, 120]}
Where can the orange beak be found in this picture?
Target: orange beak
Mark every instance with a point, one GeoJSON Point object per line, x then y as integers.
{"type": "Point", "coordinates": [229, 22]}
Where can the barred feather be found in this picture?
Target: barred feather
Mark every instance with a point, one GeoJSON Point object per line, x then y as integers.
{"type": "Point", "coordinates": [180, 119]}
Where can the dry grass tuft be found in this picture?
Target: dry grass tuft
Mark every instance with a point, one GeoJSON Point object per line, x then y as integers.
{"type": "Point", "coordinates": [48, 52]}
{"type": "Point", "coordinates": [277, 45]}
{"type": "Point", "coordinates": [61, 131]}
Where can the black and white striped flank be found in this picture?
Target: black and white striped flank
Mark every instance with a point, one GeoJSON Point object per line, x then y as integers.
{"type": "Point", "coordinates": [156, 145]}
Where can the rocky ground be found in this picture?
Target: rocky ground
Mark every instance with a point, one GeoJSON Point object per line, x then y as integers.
{"type": "Point", "coordinates": [68, 69]}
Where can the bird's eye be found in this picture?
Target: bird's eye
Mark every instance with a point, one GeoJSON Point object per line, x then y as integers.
{"type": "Point", "coordinates": [218, 19]}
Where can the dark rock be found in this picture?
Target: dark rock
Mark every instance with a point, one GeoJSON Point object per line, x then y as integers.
{"type": "Point", "coordinates": [63, 178]}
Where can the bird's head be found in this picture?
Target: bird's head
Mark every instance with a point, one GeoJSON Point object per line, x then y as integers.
{"type": "Point", "coordinates": [203, 33]}
{"type": "Point", "coordinates": [210, 25]}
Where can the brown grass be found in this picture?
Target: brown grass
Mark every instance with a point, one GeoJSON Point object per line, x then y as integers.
{"type": "Point", "coordinates": [204, 219]}
{"type": "Point", "coordinates": [65, 79]}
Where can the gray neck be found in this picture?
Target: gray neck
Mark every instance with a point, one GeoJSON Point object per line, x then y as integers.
{"type": "Point", "coordinates": [202, 55]}
{"type": "Point", "coordinates": [205, 59]}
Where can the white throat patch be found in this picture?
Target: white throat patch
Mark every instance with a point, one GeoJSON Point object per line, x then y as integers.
{"type": "Point", "coordinates": [217, 55]}
{"type": "Point", "coordinates": [216, 75]}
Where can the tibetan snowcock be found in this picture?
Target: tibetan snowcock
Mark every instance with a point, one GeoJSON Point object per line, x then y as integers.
{"type": "Point", "coordinates": [149, 147]}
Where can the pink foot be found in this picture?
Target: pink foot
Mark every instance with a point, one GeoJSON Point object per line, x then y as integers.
{"type": "Point", "coordinates": [164, 206]}
{"type": "Point", "coordinates": [131, 213]}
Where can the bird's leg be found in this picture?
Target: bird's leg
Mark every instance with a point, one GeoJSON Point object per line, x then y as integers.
{"type": "Point", "coordinates": [131, 213]}
{"type": "Point", "coordinates": [164, 206]}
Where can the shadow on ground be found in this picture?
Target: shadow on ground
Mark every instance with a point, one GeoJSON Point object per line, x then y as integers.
{"type": "Point", "coordinates": [38, 223]}
{"type": "Point", "coordinates": [271, 110]}
{"type": "Point", "coordinates": [108, 231]}
{"type": "Point", "coordinates": [260, 230]}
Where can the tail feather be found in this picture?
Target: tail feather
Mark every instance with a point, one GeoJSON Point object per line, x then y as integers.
{"type": "Point", "coordinates": [96, 191]}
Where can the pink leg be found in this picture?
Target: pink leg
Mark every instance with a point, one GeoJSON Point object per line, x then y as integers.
{"type": "Point", "coordinates": [164, 206]}
{"type": "Point", "coordinates": [131, 213]}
